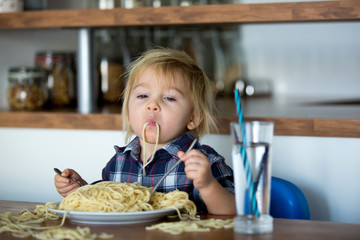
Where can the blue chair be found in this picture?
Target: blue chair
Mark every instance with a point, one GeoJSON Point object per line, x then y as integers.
{"type": "Point", "coordinates": [287, 200]}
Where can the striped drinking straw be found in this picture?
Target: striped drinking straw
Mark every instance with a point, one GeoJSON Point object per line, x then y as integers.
{"type": "Point", "coordinates": [250, 183]}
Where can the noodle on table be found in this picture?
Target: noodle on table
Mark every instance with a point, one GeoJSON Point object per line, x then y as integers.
{"type": "Point", "coordinates": [192, 225]}
{"type": "Point", "coordinates": [30, 224]}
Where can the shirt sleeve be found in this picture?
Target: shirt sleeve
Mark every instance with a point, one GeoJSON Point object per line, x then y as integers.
{"type": "Point", "coordinates": [223, 174]}
{"type": "Point", "coordinates": [220, 170]}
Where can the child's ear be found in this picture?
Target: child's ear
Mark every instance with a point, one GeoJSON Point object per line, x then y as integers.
{"type": "Point", "coordinates": [195, 121]}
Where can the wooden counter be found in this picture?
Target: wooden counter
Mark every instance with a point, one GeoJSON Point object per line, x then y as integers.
{"type": "Point", "coordinates": [284, 229]}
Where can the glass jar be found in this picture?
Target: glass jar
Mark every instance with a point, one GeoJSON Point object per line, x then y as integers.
{"type": "Point", "coordinates": [27, 88]}
{"type": "Point", "coordinates": [110, 65]}
{"type": "Point", "coordinates": [60, 76]}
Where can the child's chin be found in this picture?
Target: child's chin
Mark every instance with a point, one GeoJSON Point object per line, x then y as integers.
{"type": "Point", "coordinates": [151, 139]}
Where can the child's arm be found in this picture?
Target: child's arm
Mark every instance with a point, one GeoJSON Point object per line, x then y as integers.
{"type": "Point", "coordinates": [65, 186]}
{"type": "Point", "coordinates": [217, 199]}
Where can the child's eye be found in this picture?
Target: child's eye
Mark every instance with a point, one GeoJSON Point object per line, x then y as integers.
{"type": "Point", "coordinates": [141, 96]}
{"type": "Point", "coordinates": [170, 99]}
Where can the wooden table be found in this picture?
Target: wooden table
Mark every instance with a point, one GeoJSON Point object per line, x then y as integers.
{"type": "Point", "coordinates": [284, 229]}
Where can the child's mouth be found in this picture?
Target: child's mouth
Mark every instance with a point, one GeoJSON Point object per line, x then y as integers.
{"type": "Point", "coordinates": [151, 123]}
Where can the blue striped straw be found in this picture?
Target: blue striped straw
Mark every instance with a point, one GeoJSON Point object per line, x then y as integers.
{"type": "Point", "coordinates": [250, 183]}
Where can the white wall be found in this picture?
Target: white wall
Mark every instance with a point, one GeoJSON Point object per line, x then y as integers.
{"type": "Point", "coordinates": [326, 169]}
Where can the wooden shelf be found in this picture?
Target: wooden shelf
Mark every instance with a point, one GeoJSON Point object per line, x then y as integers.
{"type": "Point", "coordinates": [192, 15]}
{"type": "Point", "coordinates": [317, 127]}
{"type": "Point", "coordinates": [322, 120]}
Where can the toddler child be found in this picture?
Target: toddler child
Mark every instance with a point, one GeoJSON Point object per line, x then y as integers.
{"type": "Point", "coordinates": [168, 101]}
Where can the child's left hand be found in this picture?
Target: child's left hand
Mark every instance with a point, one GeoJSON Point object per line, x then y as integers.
{"type": "Point", "coordinates": [197, 168]}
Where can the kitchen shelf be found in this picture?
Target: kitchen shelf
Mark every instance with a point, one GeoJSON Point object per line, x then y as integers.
{"type": "Point", "coordinates": [192, 15]}
{"type": "Point", "coordinates": [291, 118]}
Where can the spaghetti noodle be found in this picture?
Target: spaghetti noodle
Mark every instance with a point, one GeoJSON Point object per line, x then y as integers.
{"type": "Point", "coordinates": [29, 224]}
{"type": "Point", "coordinates": [192, 225]}
{"type": "Point", "coordinates": [144, 148]}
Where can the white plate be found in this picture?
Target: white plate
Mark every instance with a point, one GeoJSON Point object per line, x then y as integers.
{"type": "Point", "coordinates": [114, 218]}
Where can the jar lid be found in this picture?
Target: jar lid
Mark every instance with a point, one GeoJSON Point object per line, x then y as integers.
{"type": "Point", "coordinates": [49, 55]}
{"type": "Point", "coordinates": [22, 72]}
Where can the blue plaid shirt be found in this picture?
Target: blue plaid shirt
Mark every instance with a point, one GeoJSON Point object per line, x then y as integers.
{"type": "Point", "coordinates": [126, 166]}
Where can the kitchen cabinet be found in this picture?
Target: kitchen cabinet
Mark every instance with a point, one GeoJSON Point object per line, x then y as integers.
{"type": "Point", "coordinates": [335, 122]}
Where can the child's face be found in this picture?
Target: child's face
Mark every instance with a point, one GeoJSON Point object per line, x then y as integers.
{"type": "Point", "coordinates": [153, 101]}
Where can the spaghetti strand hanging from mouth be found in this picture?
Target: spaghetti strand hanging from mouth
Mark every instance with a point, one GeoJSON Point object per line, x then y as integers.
{"type": "Point", "coordinates": [145, 163]}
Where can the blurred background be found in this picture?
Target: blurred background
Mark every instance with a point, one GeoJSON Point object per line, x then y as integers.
{"type": "Point", "coordinates": [317, 60]}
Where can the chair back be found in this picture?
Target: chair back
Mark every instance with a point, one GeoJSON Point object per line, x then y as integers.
{"type": "Point", "coordinates": [287, 200]}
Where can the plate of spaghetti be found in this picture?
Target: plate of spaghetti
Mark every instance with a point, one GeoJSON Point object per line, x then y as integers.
{"type": "Point", "coordinates": [122, 203]}
{"type": "Point", "coordinates": [114, 218]}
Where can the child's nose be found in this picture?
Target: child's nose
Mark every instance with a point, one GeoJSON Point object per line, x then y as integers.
{"type": "Point", "coordinates": [153, 106]}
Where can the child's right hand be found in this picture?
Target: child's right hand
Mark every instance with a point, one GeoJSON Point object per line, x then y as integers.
{"type": "Point", "coordinates": [65, 186]}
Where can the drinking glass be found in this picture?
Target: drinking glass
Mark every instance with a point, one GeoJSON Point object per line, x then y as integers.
{"type": "Point", "coordinates": [251, 156]}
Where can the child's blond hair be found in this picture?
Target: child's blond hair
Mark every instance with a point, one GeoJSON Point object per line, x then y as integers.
{"type": "Point", "coordinates": [168, 62]}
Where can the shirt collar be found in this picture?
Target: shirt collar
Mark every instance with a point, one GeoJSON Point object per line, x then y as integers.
{"type": "Point", "coordinates": [179, 144]}
{"type": "Point", "coordinates": [134, 144]}
{"type": "Point", "coordinates": [134, 148]}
